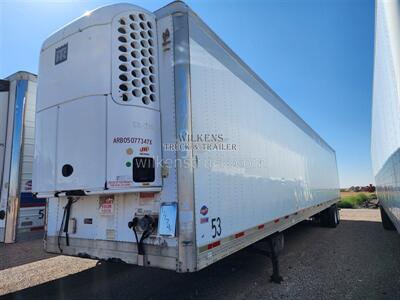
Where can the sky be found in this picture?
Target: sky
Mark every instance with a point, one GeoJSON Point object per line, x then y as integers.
{"type": "Point", "coordinates": [316, 54]}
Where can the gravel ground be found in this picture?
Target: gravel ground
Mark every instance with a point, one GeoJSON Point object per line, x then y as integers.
{"type": "Point", "coordinates": [20, 253]}
{"type": "Point", "coordinates": [32, 274]}
{"type": "Point", "coordinates": [357, 260]}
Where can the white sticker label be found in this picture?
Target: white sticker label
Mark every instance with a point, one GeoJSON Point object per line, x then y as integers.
{"type": "Point", "coordinates": [167, 220]}
{"type": "Point", "coordinates": [110, 234]}
{"type": "Point", "coordinates": [119, 184]}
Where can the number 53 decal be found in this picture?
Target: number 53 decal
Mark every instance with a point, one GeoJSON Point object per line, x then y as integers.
{"type": "Point", "coordinates": [216, 227]}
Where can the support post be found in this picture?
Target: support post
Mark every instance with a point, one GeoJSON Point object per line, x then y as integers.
{"type": "Point", "coordinates": [275, 243]}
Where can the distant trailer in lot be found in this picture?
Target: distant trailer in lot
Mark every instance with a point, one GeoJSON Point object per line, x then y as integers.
{"type": "Point", "coordinates": [156, 145]}
{"type": "Point", "coordinates": [386, 111]}
{"type": "Point", "coordinates": [20, 212]}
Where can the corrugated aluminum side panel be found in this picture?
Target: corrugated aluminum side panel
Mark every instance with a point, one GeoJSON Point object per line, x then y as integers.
{"type": "Point", "coordinates": [28, 139]}
{"type": "Point", "coordinates": [385, 147]}
{"type": "Point", "coordinates": [265, 162]}
{"type": "Point", "coordinates": [3, 130]}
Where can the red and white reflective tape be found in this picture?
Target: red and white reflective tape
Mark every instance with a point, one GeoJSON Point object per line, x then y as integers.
{"type": "Point", "coordinates": [238, 235]}
{"type": "Point", "coordinates": [213, 245]}
{"type": "Point", "coordinates": [250, 231]}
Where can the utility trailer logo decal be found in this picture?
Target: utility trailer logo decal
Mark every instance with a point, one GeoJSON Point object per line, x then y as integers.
{"type": "Point", "coordinates": [204, 210]}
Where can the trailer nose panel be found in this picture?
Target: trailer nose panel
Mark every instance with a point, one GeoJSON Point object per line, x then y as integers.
{"type": "Point", "coordinates": [71, 146]}
{"type": "Point", "coordinates": [44, 174]}
{"type": "Point", "coordinates": [81, 144]}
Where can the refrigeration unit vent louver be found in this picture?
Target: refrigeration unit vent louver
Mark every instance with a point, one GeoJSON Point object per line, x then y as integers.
{"type": "Point", "coordinates": [135, 78]}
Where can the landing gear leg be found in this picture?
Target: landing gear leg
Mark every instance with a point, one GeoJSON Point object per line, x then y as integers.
{"type": "Point", "coordinates": [275, 243]}
{"type": "Point", "coordinates": [271, 247]}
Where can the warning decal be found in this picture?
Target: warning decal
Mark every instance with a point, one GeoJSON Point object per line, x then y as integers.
{"type": "Point", "coordinates": [106, 206]}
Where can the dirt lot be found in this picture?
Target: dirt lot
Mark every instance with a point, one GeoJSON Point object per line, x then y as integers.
{"type": "Point", "coordinates": [357, 260]}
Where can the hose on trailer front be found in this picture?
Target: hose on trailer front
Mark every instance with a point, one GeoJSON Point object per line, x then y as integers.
{"type": "Point", "coordinates": [148, 230]}
{"type": "Point", "coordinates": [65, 223]}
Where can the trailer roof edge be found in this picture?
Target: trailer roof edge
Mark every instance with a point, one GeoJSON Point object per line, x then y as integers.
{"type": "Point", "coordinates": [95, 17]}
{"type": "Point", "coordinates": [182, 7]}
{"type": "Point", "coordinates": [22, 75]}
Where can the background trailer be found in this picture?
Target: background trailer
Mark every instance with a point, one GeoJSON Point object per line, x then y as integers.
{"type": "Point", "coordinates": [386, 111]}
{"type": "Point", "coordinates": [158, 146]}
{"type": "Point", "coordinates": [19, 211]}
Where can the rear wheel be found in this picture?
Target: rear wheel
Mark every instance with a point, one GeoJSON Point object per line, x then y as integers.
{"type": "Point", "coordinates": [330, 217]}
{"type": "Point", "coordinates": [386, 222]}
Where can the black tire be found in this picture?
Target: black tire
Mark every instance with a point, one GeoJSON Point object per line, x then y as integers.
{"type": "Point", "coordinates": [386, 222]}
{"type": "Point", "coordinates": [330, 217]}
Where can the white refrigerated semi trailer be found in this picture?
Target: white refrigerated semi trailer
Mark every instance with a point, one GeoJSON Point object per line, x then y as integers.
{"type": "Point", "coordinates": [156, 145]}
{"type": "Point", "coordinates": [20, 213]}
{"type": "Point", "coordinates": [386, 111]}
